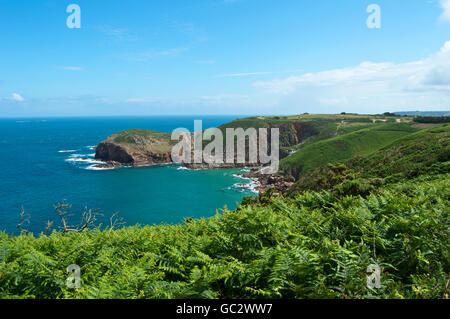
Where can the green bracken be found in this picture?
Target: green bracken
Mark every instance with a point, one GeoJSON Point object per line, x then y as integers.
{"type": "Point", "coordinates": [389, 207]}
{"type": "Point", "coordinates": [314, 245]}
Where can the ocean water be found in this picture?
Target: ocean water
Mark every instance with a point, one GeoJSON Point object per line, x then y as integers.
{"type": "Point", "coordinates": [42, 164]}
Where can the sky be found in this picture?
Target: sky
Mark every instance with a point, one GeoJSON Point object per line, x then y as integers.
{"type": "Point", "coordinates": [179, 57]}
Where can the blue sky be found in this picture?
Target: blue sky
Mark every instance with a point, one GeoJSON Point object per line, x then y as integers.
{"type": "Point", "coordinates": [142, 57]}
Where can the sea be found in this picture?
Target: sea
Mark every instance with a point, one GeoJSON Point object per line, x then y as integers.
{"type": "Point", "coordinates": [45, 161]}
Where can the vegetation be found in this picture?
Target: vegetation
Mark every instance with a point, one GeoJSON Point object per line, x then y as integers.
{"type": "Point", "coordinates": [314, 245]}
{"type": "Point", "coordinates": [299, 131]}
{"type": "Point", "coordinates": [387, 206]}
{"type": "Point", "coordinates": [343, 147]}
{"type": "Point", "coordinates": [138, 141]}
{"type": "Point", "coordinates": [129, 136]}
{"type": "Point", "coordinates": [426, 152]}
{"type": "Point", "coordinates": [432, 119]}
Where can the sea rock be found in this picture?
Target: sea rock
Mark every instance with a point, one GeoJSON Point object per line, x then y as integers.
{"type": "Point", "coordinates": [279, 182]}
{"type": "Point", "coordinates": [135, 148]}
{"type": "Point", "coordinates": [108, 165]}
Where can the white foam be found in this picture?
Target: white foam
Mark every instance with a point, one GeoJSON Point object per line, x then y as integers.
{"type": "Point", "coordinates": [84, 160]}
{"type": "Point", "coordinates": [250, 186]}
{"type": "Point", "coordinates": [242, 177]}
{"type": "Point", "coordinates": [94, 168]}
{"type": "Point", "coordinates": [81, 155]}
{"type": "Point", "coordinates": [67, 151]}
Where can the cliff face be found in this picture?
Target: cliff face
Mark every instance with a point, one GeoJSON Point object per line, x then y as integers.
{"type": "Point", "coordinates": [135, 148]}
{"type": "Point", "coordinates": [291, 132]}
{"type": "Point", "coordinates": [143, 147]}
{"type": "Point", "coordinates": [112, 152]}
{"type": "Point", "coordinates": [298, 132]}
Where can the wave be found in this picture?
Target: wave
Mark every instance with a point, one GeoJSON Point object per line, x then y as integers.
{"type": "Point", "coordinates": [84, 160]}
{"type": "Point", "coordinates": [252, 186]}
{"type": "Point", "coordinates": [242, 177]}
{"type": "Point", "coordinates": [81, 155]}
{"type": "Point", "coordinates": [95, 168]}
{"type": "Point", "coordinates": [67, 151]}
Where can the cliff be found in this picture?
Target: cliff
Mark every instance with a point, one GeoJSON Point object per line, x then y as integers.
{"type": "Point", "coordinates": [138, 147]}
{"type": "Point", "coordinates": [135, 148]}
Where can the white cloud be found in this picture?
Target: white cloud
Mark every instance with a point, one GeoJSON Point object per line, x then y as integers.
{"type": "Point", "coordinates": [17, 97]}
{"type": "Point", "coordinates": [72, 68]}
{"type": "Point", "coordinates": [153, 53]}
{"type": "Point", "coordinates": [206, 61]}
{"type": "Point", "coordinates": [141, 100]}
{"type": "Point", "coordinates": [224, 97]}
{"type": "Point", "coordinates": [370, 85]}
{"type": "Point", "coordinates": [445, 16]}
{"type": "Point", "coordinates": [116, 33]}
{"type": "Point", "coordinates": [232, 75]}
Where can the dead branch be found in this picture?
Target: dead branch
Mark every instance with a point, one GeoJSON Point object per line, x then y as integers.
{"type": "Point", "coordinates": [49, 225]}
{"type": "Point", "coordinates": [115, 221]}
{"type": "Point", "coordinates": [88, 218]}
{"type": "Point", "coordinates": [24, 218]}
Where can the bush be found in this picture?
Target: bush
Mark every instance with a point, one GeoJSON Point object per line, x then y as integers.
{"type": "Point", "coordinates": [313, 245]}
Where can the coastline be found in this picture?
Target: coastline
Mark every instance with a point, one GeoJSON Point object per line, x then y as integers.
{"type": "Point", "coordinates": [257, 181]}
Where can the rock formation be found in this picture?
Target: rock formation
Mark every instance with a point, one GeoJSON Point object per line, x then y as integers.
{"type": "Point", "coordinates": [134, 148]}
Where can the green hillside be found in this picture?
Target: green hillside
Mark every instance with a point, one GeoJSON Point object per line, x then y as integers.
{"type": "Point", "coordinates": [410, 156]}
{"type": "Point", "coordinates": [300, 130]}
{"type": "Point", "coordinates": [389, 207]}
{"type": "Point", "coordinates": [424, 152]}
{"type": "Point", "coordinates": [361, 142]}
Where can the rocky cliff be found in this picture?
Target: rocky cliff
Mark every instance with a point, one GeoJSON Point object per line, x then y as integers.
{"type": "Point", "coordinates": [143, 147]}
{"type": "Point", "coordinates": [134, 148]}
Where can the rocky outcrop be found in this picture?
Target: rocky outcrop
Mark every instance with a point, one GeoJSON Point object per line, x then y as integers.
{"type": "Point", "coordinates": [298, 132]}
{"type": "Point", "coordinates": [143, 147]}
{"type": "Point", "coordinates": [134, 148]}
{"type": "Point", "coordinates": [219, 166]}
{"type": "Point", "coordinates": [267, 181]}
{"type": "Point", "coordinates": [110, 152]}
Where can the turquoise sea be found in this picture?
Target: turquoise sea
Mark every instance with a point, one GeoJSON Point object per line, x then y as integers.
{"type": "Point", "coordinates": [42, 164]}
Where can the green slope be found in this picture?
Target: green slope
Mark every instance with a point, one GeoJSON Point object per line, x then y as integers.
{"type": "Point", "coordinates": [424, 152]}
{"type": "Point", "coordinates": [343, 147]}
{"type": "Point", "coordinates": [300, 130]}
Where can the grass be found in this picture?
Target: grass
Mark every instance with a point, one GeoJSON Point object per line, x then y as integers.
{"type": "Point", "coordinates": [425, 152]}
{"type": "Point", "coordinates": [360, 142]}
{"type": "Point", "coordinates": [322, 126]}
{"type": "Point", "coordinates": [127, 137]}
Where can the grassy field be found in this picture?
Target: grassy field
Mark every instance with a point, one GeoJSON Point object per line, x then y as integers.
{"type": "Point", "coordinates": [360, 142]}
{"type": "Point", "coordinates": [127, 136]}
{"type": "Point", "coordinates": [425, 152]}
{"type": "Point", "coordinates": [139, 139]}
{"type": "Point", "coordinates": [325, 125]}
